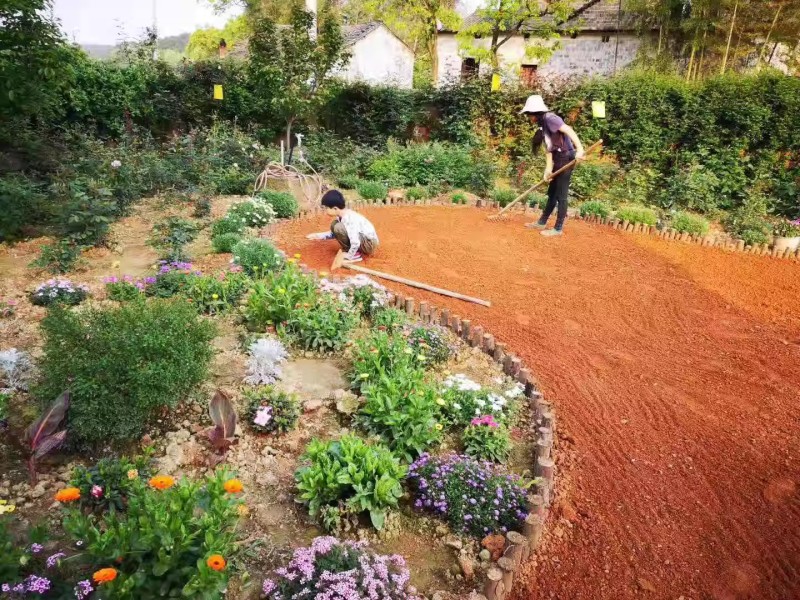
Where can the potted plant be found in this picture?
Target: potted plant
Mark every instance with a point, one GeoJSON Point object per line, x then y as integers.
{"type": "Point", "coordinates": [787, 235]}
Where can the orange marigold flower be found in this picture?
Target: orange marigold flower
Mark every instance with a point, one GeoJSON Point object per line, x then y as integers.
{"type": "Point", "coordinates": [162, 482]}
{"type": "Point", "coordinates": [68, 494]}
{"type": "Point", "coordinates": [233, 486]}
{"type": "Point", "coordinates": [105, 575]}
{"type": "Point", "coordinates": [216, 562]}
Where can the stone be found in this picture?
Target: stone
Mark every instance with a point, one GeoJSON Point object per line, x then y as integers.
{"type": "Point", "coordinates": [645, 584]}
{"type": "Point", "coordinates": [494, 543]}
{"type": "Point", "coordinates": [485, 554]}
{"type": "Point", "coordinates": [348, 404]}
{"type": "Point", "coordinates": [454, 543]}
{"type": "Point", "coordinates": [39, 491]}
{"type": "Point", "coordinates": [312, 405]}
{"type": "Point", "coordinates": [467, 567]}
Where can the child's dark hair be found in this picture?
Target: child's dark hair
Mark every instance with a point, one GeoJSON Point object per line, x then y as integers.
{"type": "Point", "coordinates": [333, 199]}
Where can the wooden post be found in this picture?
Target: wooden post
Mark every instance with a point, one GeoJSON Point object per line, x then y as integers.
{"type": "Point", "coordinates": [466, 325]}
{"type": "Point", "coordinates": [476, 339]}
{"type": "Point", "coordinates": [488, 343]}
{"type": "Point", "coordinates": [499, 352]}
{"type": "Point", "coordinates": [424, 311]}
{"type": "Point", "coordinates": [494, 589]}
{"type": "Point", "coordinates": [518, 549]}
{"type": "Point", "coordinates": [543, 448]}
{"type": "Point", "coordinates": [410, 306]}
{"type": "Point", "coordinates": [445, 320]}
{"type": "Point", "coordinates": [533, 530]}
{"type": "Point", "coordinates": [507, 566]}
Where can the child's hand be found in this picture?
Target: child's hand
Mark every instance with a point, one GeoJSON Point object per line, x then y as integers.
{"type": "Point", "coordinates": [315, 236]}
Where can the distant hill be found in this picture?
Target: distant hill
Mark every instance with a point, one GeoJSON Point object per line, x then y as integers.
{"type": "Point", "coordinates": [173, 42]}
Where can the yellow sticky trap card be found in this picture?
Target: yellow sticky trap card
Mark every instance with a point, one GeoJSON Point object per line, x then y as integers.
{"type": "Point", "coordinates": [495, 82]}
{"type": "Point", "coordinates": [218, 95]}
{"type": "Point", "coordinates": [599, 110]}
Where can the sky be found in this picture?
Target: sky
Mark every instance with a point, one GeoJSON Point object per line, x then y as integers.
{"type": "Point", "coordinates": [99, 21]}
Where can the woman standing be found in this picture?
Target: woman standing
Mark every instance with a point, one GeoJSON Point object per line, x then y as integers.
{"type": "Point", "coordinates": [563, 146]}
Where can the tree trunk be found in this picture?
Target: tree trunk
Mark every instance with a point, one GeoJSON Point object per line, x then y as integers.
{"type": "Point", "coordinates": [769, 34]}
{"type": "Point", "coordinates": [730, 35]}
{"type": "Point", "coordinates": [691, 62]}
{"type": "Point", "coordinates": [433, 48]}
{"type": "Point", "coordinates": [699, 68]}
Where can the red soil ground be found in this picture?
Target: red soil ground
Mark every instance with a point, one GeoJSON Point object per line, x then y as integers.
{"type": "Point", "coordinates": [675, 372]}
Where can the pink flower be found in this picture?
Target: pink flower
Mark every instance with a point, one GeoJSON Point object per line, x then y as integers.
{"type": "Point", "coordinates": [97, 491]}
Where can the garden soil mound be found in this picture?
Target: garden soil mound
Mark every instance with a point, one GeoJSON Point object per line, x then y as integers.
{"type": "Point", "coordinates": [675, 373]}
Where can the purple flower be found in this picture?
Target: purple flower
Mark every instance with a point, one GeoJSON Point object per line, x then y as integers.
{"type": "Point", "coordinates": [97, 491]}
{"type": "Point", "coordinates": [53, 560]}
{"type": "Point", "coordinates": [37, 584]}
{"type": "Point", "coordinates": [36, 548]}
{"type": "Point", "coordinates": [83, 589]}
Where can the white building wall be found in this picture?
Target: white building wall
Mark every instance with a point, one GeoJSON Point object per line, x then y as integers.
{"type": "Point", "coordinates": [587, 54]}
{"type": "Point", "coordinates": [381, 59]}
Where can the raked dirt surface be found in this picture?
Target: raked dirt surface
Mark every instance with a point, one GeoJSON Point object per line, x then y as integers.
{"type": "Point", "coordinates": [675, 372]}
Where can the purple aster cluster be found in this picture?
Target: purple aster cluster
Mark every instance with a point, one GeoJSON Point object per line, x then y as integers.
{"type": "Point", "coordinates": [331, 569]}
{"type": "Point", "coordinates": [138, 283]}
{"type": "Point", "coordinates": [473, 496]}
{"type": "Point", "coordinates": [83, 589]}
{"type": "Point", "coordinates": [33, 584]}
{"type": "Point", "coordinates": [52, 561]}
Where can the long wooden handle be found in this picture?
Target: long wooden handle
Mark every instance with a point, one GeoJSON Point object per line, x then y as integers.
{"type": "Point", "coordinates": [417, 284]}
{"type": "Point", "coordinates": [566, 167]}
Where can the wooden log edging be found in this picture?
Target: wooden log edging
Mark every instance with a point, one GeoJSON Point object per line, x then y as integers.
{"type": "Point", "coordinates": [709, 240]}
{"type": "Point", "coordinates": [519, 545]}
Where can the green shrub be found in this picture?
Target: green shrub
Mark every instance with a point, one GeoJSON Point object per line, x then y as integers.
{"type": "Point", "coordinates": [537, 200]}
{"type": "Point", "coordinates": [372, 190]}
{"type": "Point", "coordinates": [416, 193]}
{"type": "Point", "coordinates": [202, 207]}
{"type": "Point", "coordinates": [637, 214]}
{"type": "Point", "coordinates": [171, 237]}
{"type": "Point", "coordinates": [379, 353]}
{"type": "Point", "coordinates": [430, 345]}
{"type": "Point", "coordinates": [786, 228]}
{"type": "Point", "coordinates": [23, 205]}
{"type": "Point", "coordinates": [486, 439]}
{"type": "Point", "coordinates": [748, 222]}
{"type": "Point", "coordinates": [637, 185]}
{"type": "Point", "coordinates": [366, 299]}
{"type": "Point", "coordinates": [122, 365]}
{"type": "Point", "coordinates": [389, 319]}
{"type": "Point", "coordinates": [122, 291]}
{"type": "Point", "coordinates": [504, 196]}
{"type": "Point", "coordinates": [401, 409]}
{"type": "Point", "coordinates": [228, 224]}
{"type": "Point", "coordinates": [161, 545]}
{"type": "Point", "coordinates": [257, 257]}
{"type": "Point", "coordinates": [689, 223]}
{"type": "Point", "coordinates": [107, 485]}
{"type": "Point", "coordinates": [695, 187]}
{"type": "Point", "coordinates": [224, 243]}
{"type": "Point", "coordinates": [58, 257]}
{"type": "Point", "coordinates": [274, 298]}
{"type": "Point", "coordinates": [348, 182]}
{"type": "Point", "coordinates": [323, 327]}
{"type": "Point", "coordinates": [589, 176]}
{"type": "Point", "coordinates": [352, 475]}
{"type": "Point", "coordinates": [459, 198]}
{"type": "Point", "coordinates": [252, 213]}
{"type": "Point", "coordinates": [213, 294]}
{"type": "Point", "coordinates": [595, 208]}
{"type": "Point", "coordinates": [272, 411]}
{"type": "Point", "coordinates": [283, 203]}
{"type": "Point", "coordinates": [87, 213]}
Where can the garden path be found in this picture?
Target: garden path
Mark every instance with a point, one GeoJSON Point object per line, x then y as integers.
{"type": "Point", "coordinates": [674, 372]}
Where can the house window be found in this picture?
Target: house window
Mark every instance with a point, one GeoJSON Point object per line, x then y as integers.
{"type": "Point", "coordinates": [605, 39]}
{"type": "Point", "coordinates": [469, 68]}
{"type": "Point", "coordinates": [528, 75]}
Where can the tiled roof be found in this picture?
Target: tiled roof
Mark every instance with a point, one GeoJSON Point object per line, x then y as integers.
{"type": "Point", "coordinates": [355, 33]}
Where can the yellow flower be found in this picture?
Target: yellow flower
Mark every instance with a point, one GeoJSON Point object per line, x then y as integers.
{"type": "Point", "coordinates": [133, 474]}
{"type": "Point", "coordinates": [243, 510]}
{"type": "Point", "coordinates": [281, 291]}
{"type": "Point", "coordinates": [115, 264]}
{"type": "Point", "coordinates": [323, 273]}
{"type": "Point", "coordinates": [408, 350]}
{"type": "Point", "coordinates": [292, 261]}
{"type": "Point", "coordinates": [162, 482]}
{"type": "Point", "coordinates": [421, 357]}
{"type": "Point", "coordinates": [439, 427]}
{"type": "Point", "coordinates": [297, 256]}
{"type": "Point", "coordinates": [215, 296]}
{"type": "Point", "coordinates": [5, 507]}
{"type": "Point", "coordinates": [440, 401]}
{"type": "Point", "coordinates": [364, 376]}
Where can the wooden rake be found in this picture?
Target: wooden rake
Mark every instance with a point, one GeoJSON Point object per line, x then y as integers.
{"type": "Point", "coordinates": [338, 262]}
{"type": "Point", "coordinates": [567, 167]}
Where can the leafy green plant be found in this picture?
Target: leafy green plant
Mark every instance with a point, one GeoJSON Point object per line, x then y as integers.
{"type": "Point", "coordinates": [106, 485]}
{"type": "Point", "coordinates": [272, 411]}
{"type": "Point", "coordinates": [351, 474]}
{"type": "Point", "coordinates": [225, 242]}
{"type": "Point", "coordinates": [417, 192]}
{"type": "Point", "coordinates": [590, 176]}
{"type": "Point", "coordinates": [366, 299]}
{"type": "Point", "coordinates": [389, 319]}
{"type": "Point", "coordinates": [123, 291]}
{"type": "Point", "coordinates": [379, 353]}
{"type": "Point", "coordinates": [430, 345]}
{"type": "Point", "coordinates": [637, 214]}
{"type": "Point", "coordinates": [5, 397]}
{"type": "Point", "coordinates": [485, 439]}
{"type": "Point", "coordinates": [173, 278]}
{"type": "Point", "coordinates": [537, 200]}
{"type": "Point", "coordinates": [401, 409]}
{"type": "Point", "coordinates": [213, 294]}
{"type": "Point", "coordinates": [123, 364]}
{"type": "Point", "coordinates": [323, 327]}
{"type": "Point", "coordinates": [348, 182]}
{"type": "Point", "coordinates": [786, 228]}
{"type": "Point", "coordinates": [372, 190]}
{"type": "Point", "coordinates": [504, 196]}
{"type": "Point", "coordinates": [59, 291]}
{"type": "Point", "coordinates": [171, 237]}
{"type": "Point", "coordinates": [275, 297]}
{"type": "Point", "coordinates": [595, 208]}
{"type": "Point", "coordinates": [202, 207]}
{"type": "Point", "coordinates": [58, 257]}
{"type": "Point", "coordinates": [254, 213]}
{"type": "Point", "coordinates": [463, 399]}
{"type": "Point", "coordinates": [284, 204]}
{"type": "Point", "coordinates": [257, 257]}
{"type": "Point", "coordinates": [175, 538]}
{"type": "Point", "coordinates": [459, 198]}
{"type": "Point", "coordinates": [227, 224]}
{"type": "Point", "coordinates": [689, 223]}
{"type": "Point", "coordinates": [749, 222]}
